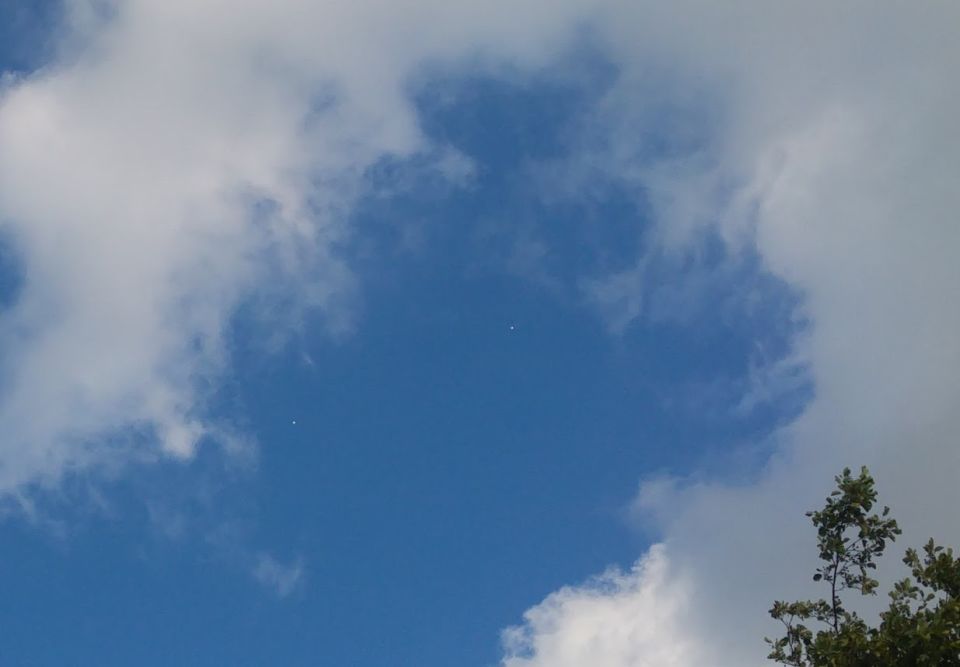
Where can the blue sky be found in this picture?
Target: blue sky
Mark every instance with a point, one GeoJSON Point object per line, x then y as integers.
{"type": "Point", "coordinates": [510, 358]}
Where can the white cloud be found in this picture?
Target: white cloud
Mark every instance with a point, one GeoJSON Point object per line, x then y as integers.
{"type": "Point", "coordinates": [839, 143]}
{"type": "Point", "coordinates": [618, 619]}
{"type": "Point", "coordinates": [281, 578]}
{"type": "Point", "coordinates": [179, 158]}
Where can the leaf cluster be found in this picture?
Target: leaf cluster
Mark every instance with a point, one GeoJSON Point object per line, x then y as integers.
{"type": "Point", "coordinates": [921, 626]}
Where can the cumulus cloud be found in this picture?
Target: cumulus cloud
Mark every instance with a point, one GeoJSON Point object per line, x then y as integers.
{"type": "Point", "coordinates": [839, 147]}
{"type": "Point", "coordinates": [632, 618]}
{"type": "Point", "coordinates": [177, 159]}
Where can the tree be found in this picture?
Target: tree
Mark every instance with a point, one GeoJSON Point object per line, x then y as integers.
{"type": "Point", "coordinates": [920, 627]}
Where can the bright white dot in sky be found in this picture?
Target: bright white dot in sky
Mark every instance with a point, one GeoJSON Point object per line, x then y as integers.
{"type": "Point", "coordinates": [294, 422]}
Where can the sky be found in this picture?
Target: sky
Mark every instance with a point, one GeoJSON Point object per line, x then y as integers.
{"type": "Point", "coordinates": [513, 334]}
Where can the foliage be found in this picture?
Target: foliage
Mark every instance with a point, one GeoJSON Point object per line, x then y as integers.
{"type": "Point", "coordinates": [920, 627]}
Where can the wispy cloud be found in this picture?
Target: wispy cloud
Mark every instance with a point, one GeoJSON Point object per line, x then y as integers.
{"type": "Point", "coordinates": [838, 178]}
{"type": "Point", "coordinates": [281, 578]}
{"type": "Point", "coordinates": [178, 159]}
